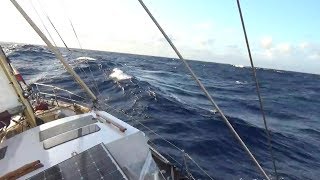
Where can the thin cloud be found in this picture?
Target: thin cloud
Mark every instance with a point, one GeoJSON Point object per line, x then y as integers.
{"type": "Point", "coordinates": [284, 48]}
{"type": "Point", "coordinates": [204, 26]}
{"type": "Point", "coordinates": [266, 42]}
{"type": "Point", "coordinates": [304, 45]}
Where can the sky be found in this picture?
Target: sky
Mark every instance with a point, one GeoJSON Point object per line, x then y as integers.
{"type": "Point", "coordinates": [282, 34]}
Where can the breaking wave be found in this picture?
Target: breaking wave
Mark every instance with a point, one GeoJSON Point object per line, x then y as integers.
{"type": "Point", "coordinates": [119, 75]}
{"type": "Point", "coordinates": [86, 58]}
{"type": "Point", "coordinates": [239, 66]}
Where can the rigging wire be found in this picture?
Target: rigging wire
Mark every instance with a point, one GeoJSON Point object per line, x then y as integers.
{"type": "Point", "coordinates": [45, 27]}
{"type": "Point", "coordinates": [47, 16]}
{"type": "Point", "coordinates": [258, 92]}
{"type": "Point", "coordinates": [73, 61]}
{"type": "Point", "coordinates": [205, 91]}
{"type": "Point", "coordinates": [186, 166]}
{"type": "Point", "coordinates": [188, 156]}
{"type": "Point", "coordinates": [58, 33]}
{"type": "Point", "coordinates": [79, 43]}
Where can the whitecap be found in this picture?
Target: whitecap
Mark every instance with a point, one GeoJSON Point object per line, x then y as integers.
{"type": "Point", "coordinates": [239, 82]}
{"type": "Point", "coordinates": [119, 75]}
{"type": "Point", "coordinates": [152, 94]}
{"type": "Point", "coordinates": [239, 66]}
{"type": "Point", "coordinates": [86, 58]}
{"type": "Point", "coordinates": [214, 111]}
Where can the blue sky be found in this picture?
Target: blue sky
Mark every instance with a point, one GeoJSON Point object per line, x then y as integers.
{"type": "Point", "coordinates": [286, 20]}
{"type": "Point", "coordinates": [283, 34]}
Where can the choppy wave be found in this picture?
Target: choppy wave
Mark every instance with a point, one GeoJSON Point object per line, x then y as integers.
{"type": "Point", "coordinates": [239, 66]}
{"type": "Point", "coordinates": [86, 58]}
{"type": "Point", "coordinates": [119, 75]}
{"type": "Point", "coordinates": [241, 82]}
{"type": "Point", "coordinates": [161, 94]}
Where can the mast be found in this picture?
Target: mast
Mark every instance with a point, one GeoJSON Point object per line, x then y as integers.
{"type": "Point", "coordinates": [28, 111]}
{"type": "Point", "coordinates": [54, 50]}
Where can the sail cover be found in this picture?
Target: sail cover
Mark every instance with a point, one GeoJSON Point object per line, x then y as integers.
{"type": "Point", "coordinates": [8, 96]}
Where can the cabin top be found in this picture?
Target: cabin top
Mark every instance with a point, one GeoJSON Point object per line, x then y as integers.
{"type": "Point", "coordinates": [57, 141]}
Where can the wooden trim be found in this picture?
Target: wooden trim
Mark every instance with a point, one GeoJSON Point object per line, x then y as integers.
{"type": "Point", "coordinates": [22, 170]}
{"type": "Point", "coordinates": [121, 128]}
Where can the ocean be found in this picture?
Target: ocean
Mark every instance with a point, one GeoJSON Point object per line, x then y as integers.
{"type": "Point", "coordinates": [160, 93]}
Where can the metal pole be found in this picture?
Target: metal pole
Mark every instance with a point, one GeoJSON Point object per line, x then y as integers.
{"type": "Point", "coordinates": [54, 50]}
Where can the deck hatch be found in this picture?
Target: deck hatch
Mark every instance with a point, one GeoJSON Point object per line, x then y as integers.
{"type": "Point", "coordinates": [65, 127]}
{"type": "Point", "coordinates": [3, 152]}
{"type": "Point", "coordinates": [94, 163]}
{"type": "Point", "coordinates": [70, 135]}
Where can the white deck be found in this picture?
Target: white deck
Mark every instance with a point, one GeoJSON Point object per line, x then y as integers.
{"type": "Point", "coordinates": [26, 147]}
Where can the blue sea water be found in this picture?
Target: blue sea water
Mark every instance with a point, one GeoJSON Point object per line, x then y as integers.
{"type": "Point", "coordinates": [161, 94]}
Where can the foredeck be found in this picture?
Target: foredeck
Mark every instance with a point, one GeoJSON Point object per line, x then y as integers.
{"type": "Point", "coordinates": [128, 148]}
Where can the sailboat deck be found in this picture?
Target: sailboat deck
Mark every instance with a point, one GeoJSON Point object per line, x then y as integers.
{"type": "Point", "coordinates": [127, 147]}
{"type": "Point", "coordinates": [94, 163]}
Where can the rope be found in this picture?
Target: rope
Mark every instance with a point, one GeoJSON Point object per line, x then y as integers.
{"type": "Point", "coordinates": [205, 91]}
{"type": "Point", "coordinates": [258, 92]}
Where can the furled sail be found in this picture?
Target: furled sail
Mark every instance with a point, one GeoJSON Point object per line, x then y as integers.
{"type": "Point", "coordinates": [8, 97]}
{"type": "Point", "coordinates": [12, 99]}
